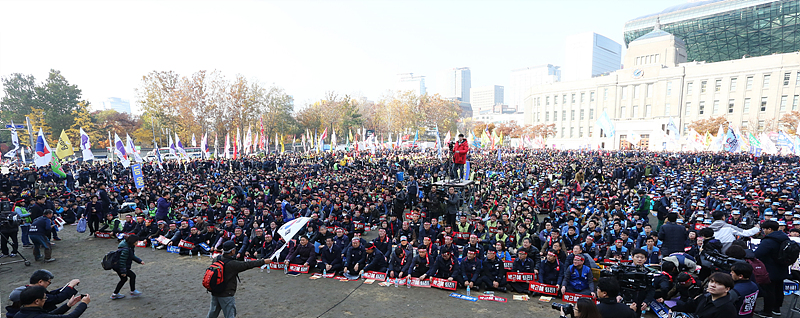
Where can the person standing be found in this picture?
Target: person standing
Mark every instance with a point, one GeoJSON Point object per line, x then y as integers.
{"type": "Point", "coordinates": [38, 235]}
{"type": "Point", "coordinates": [224, 301]}
{"type": "Point", "coordinates": [8, 234]}
{"type": "Point", "coordinates": [162, 207]}
{"type": "Point", "coordinates": [672, 236]}
{"type": "Point", "coordinates": [452, 199]}
{"type": "Point", "coordinates": [23, 214]}
{"type": "Point", "coordinates": [126, 258]}
{"type": "Point", "coordinates": [460, 150]}
{"type": "Point", "coordinates": [767, 253]}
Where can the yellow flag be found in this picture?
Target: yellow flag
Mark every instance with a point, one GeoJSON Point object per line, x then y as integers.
{"type": "Point", "coordinates": [350, 134]}
{"type": "Point", "coordinates": [64, 146]}
{"type": "Point", "coordinates": [282, 149]}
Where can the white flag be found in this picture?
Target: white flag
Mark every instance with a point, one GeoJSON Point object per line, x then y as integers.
{"type": "Point", "coordinates": [86, 146]}
{"type": "Point", "coordinates": [289, 230]}
{"type": "Point", "coordinates": [15, 141]}
{"type": "Point", "coordinates": [120, 152]}
{"type": "Point", "coordinates": [43, 154]}
{"type": "Point", "coordinates": [131, 149]}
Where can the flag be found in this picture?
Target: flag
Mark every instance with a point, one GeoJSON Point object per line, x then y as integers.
{"type": "Point", "coordinates": [446, 138]}
{"type": "Point", "coordinates": [263, 135]}
{"type": "Point", "coordinates": [785, 141]}
{"type": "Point", "coordinates": [226, 153]}
{"type": "Point", "coordinates": [180, 148]}
{"type": "Point", "coordinates": [235, 144]}
{"type": "Point", "coordinates": [119, 150]}
{"type": "Point", "coordinates": [493, 138]}
{"type": "Point", "coordinates": [42, 156]}
{"type": "Point", "coordinates": [732, 143]}
{"type": "Point", "coordinates": [767, 145]}
{"type": "Point", "coordinates": [719, 140]}
{"type": "Point", "coordinates": [350, 135]}
{"type": "Point", "coordinates": [605, 123]}
{"type": "Point", "coordinates": [282, 146]}
{"type": "Point", "coordinates": [322, 139]}
{"type": "Point", "coordinates": [289, 229]}
{"type": "Point", "coordinates": [333, 139]}
{"type": "Point", "coordinates": [247, 140]}
{"type": "Point", "coordinates": [56, 167]}
{"type": "Point", "coordinates": [755, 144]}
{"type": "Point", "coordinates": [110, 147]}
{"type": "Point", "coordinates": [796, 147]}
{"type": "Point", "coordinates": [194, 141]}
{"type": "Point", "coordinates": [416, 137]}
{"type": "Point", "coordinates": [172, 149]}
{"type": "Point", "coordinates": [15, 141]}
{"type": "Point", "coordinates": [86, 146]}
{"type": "Point", "coordinates": [64, 146]}
{"type": "Point", "coordinates": [475, 141]}
{"type": "Point", "coordinates": [204, 146]}
{"type": "Point", "coordinates": [707, 140]}
{"type": "Point", "coordinates": [158, 154]}
{"type": "Point", "coordinates": [216, 153]}
{"type": "Point", "coordinates": [131, 149]}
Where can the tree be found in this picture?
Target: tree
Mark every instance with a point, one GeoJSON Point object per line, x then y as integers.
{"type": "Point", "coordinates": [789, 122]}
{"type": "Point", "coordinates": [58, 98]}
{"type": "Point", "coordinates": [543, 130]}
{"type": "Point", "coordinates": [20, 96]}
{"type": "Point", "coordinates": [83, 119]}
{"type": "Point", "coordinates": [37, 119]}
{"type": "Point", "coordinates": [709, 125]}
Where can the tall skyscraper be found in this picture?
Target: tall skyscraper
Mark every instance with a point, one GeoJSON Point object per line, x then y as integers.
{"type": "Point", "coordinates": [524, 78]}
{"type": "Point", "coordinates": [455, 83]}
{"type": "Point", "coordinates": [485, 98]}
{"type": "Point", "coordinates": [587, 55]}
{"type": "Point", "coordinates": [409, 82]}
{"type": "Point", "coordinates": [118, 104]}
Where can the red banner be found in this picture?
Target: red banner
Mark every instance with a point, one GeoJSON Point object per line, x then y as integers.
{"type": "Point", "coordinates": [400, 281]}
{"type": "Point", "coordinates": [358, 226]}
{"type": "Point", "coordinates": [520, 277]}
{"type": "Point", "coordinates": [443, 283]}
{"type": "Point", "coordinates": [493, 230]}
{"type": "Point", "coordinates": [543, 288]}
{"type": "Point", "coordinates": [330, 275]}
{"type": "Point", "coordinates": [492, 298]}
{"type": "Point", "coordinates": [461, 235]}
{"type": "Point", "coordinates": [276, 265]}
{"type": "Point", "coordinates": [573, 298]}
{"type": "Point", "coordinates": [375, 275]}
{"type": "Point", "coordinates": [103, 235]}
{"type": "Point", "coordinates": [186, 244]}
{"type": "Point", "coordinates": [416, 282]}
{"type": "Point", "coordinates": [141, 244]}
{"type": "Point", "coordinates": [298, 268]}
{"type": "Point", "coordinates": [508, 265]}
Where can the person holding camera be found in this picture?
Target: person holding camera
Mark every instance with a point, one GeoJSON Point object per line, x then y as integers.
{"type": "Point", "coordinates": [43, 278]}
{"type": "Point", "coordinates": [33, 299]}
{"type": "Point", "coordinates": [584, 308]}
{"type": "Point", "coordinates": [9, 228]}
{"type": "Point", "coordinates": [716, 302]}
{"type": "Point", "coordinates": [641, 297]}
{"type": "Point", "coordinates": [608, 297]}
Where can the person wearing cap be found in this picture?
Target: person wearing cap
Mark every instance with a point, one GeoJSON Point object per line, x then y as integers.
{"type": "Point", "coordinates": [493, 272]}
{"type": "Point", "coordinates": [446, 267]}
{"type": "Point", "coordinates": [672, 235]}
{"type": "Point", "coordinates": [43, 278]}
{"type": "Point", "coordinates": [577, 278]}
{"type": "Point", "coordinates": [224, 300]}
{"type": "Point", "coordinates": [399, 264]}
{"type": "Point", "coordinates": [374, 259]}
{"type": "Point", "coordinates": [354, 257]}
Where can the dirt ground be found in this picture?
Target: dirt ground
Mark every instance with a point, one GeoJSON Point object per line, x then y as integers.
{"type": "Point", "coordinates": [171, 287]}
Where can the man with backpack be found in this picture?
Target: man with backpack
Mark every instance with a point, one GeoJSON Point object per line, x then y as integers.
{"type": "Point", "coordinates": [777, 252]}
{"type": "Point", "coordinates": [221, 280]}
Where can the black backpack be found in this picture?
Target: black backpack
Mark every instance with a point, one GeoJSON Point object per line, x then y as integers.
{"type": "Point", "coordinates": [788, 252]}
{"type": "Point", "coordinates": [111, 259]}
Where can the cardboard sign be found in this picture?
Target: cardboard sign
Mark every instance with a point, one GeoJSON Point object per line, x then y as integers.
{"type": "Point", "coordinates": [103, 235]}
{"type": "Point", "coordinates": [520, 277]}
{"type": "Point", "coordinates": [508, 265]}
{"type": "Point", "coordinates": [661, 310]}
{"type": "Point", "coordinates": [493, 230]}
{"type": "Point", "coordinates": [298, 268]}
{"type": "Point", "coordinates": [186, 244]}
{"type": "Point", "coordinates": [461, 235]}
{"type": "Point", "coordinates": [463, 297]}
{"type": "Point", "coordinates": [358, 226]}
{"type": "Point", "coordinates": [173, 249]}
{"type": "Point", "coordinates": [416, 282]}
{"type": "Point", "coordinates": [163, 240]}
{"type": "Point", "coordinates": [443, 283]}
{"type": "Point", "coordinates": [328, 275]}
{"type": "Point", "coordinates": [277, 265]}
{"type": "Point", "coordinates": [543, 288]}
{"type": "Point", "coordinates": [400, 281]}
{"type": "Point", "coordinates": [492, 298]}
{"type": "Point", "coordinates": [573, 298]}
{"type": "Point", "coordinates": [205, 247]}
{"type": "Point", "coordinates": [141, 244]}
{"type": "Point", "coordinates": [790, 286]}
{"type": "Point", "coordinates": [374, 275]}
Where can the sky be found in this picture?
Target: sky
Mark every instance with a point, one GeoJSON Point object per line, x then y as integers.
{"type": "Point", "coordinates": [306, 47]}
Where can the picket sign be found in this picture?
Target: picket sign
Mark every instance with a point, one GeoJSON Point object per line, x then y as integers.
{"type": "Point", "coordinates": [186, 244]}
{"type": "Point", "coordinates": [508, 265]}
{"type": "Point", "coordinates": [277, 265]}
{"type": "Point", "coordinates": [543, 288]}
{"type": "Point", "coordinates": [141, 243]}
{"type": "Point", "coordinates": [205, 247]}
{"type": "Point", "coordinates": [400, 281]}
{"type": "Point", "coordinates": [461, 235]}
{"type": "Point", "coordinates": [492, 298]}
{"type": "Point", "coordinates": [463, 297]}
{"type": "Point", "coordinates": [416, 282]}
{"type": "Point", "coordinates": [103, 235]}
{"type": "Point", "coordinates": [163, 240]}
{"type": "Point", "coordinates": [374, 275]}
{"type": "Point", "coordinates": [573, 298]}
{"type": "Point", "coordinates": [661, 310]}
{"type": "Point", "coordinates": [328, 275]}
{"type": "Point", "coordinates": [520, 277]}
{"type": "Point", "coordinates": [443, 283]}
{"type": "Point", "coordinates": [298, 268]}
{"type": "Point", "coordinates": [173, 249]}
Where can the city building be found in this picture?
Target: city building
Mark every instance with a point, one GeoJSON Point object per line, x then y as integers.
{"type": "Point", "coordinates": [659, 87]}
{"type": "Point", "coordinates": [455, 83]}
{"type": "Point", "coordinates": [587, 55]}
{"type": "Point", "coordinates": [485, 98]}
{"type": "Point", "coordinates": [409, 82]}
{"type": "Point", "coordinates": [118, 104]}
{"type": "Point", "coordinates": [723, 30]}
{"type": "Point", "coordinates": [498, 118]}
{"type": "Point", "coordinates": [524, 78]}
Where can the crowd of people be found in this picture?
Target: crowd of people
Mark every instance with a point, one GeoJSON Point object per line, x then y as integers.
{"type": "Point", "coordinates": [558, 214]}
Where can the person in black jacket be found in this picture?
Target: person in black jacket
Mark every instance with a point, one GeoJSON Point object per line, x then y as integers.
{"type": "Point", "coordinates": [354, 257]}
{"type": "Point", "coordinates": [33, 299]}
{"type": "Point", "coordinates": [374, 260]}
{"type": "Point", "coordinates": [717, 302]}
{"type": "Point", "coordinates": [672, 235]}
{"type": "Point", "coordinates": [607, 294]}
{"type": "Point", "coordinates": [767, 252]}
{"type": "Point", "coordinates": [493, 272]}
{"type": "Point", "coordinates": [470, 269]}
{"type": "Point", "coordinates": [42, 278]}
{"type": "Point", "coordinates": [522, 264]}
{"type": "Point", "coordinates": [330, 257]}
{"type": "Point", "coordinates": [445, 267]}
{"type": "Point", "coordinates": [421, 263]}
{"type": "Point", "coordinates": [224, 301]}
{"type": "Point", "coordinates": [549, 270]}
{"type": "Point", "coordinates": [123, 268]}
{"type": "Point", "coordinates": [399, 264]}
{"type": "Point", "coordinates": [303, 253]}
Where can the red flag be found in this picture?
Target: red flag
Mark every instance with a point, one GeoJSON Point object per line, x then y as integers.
{"type": "Point", "coordinates": [261, 141]}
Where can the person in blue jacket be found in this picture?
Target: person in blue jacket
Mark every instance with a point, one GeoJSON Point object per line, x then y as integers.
{"type": "Point", "coordinates": [577, 278]}
{"type": "Point", "coordinates": [767, 252]}
{"type": "Point", "coordinates": [38, 235]}
{"type": "Point", "coordinates": [746, 289]}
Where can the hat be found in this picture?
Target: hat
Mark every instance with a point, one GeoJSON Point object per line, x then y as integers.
{"type": "Point", "coordinates": [404, 238]}
{"type": "Point", "coordinates": [768, 213]}
{"type": "Point", "coordinates": [369, 246]}
{"type": "Point", "coordinates": [736, 212]}
{"type": "Point", "coordinates": [162, 222]}
{"type": "Point", "coordinates": [228, 246]}
{"type": "Point", "coordinates": [781, 222]}
{"type": "Point", "coordinates": [707, 221]}
{"type": "Point", "coordinates": [796, 215]}
{"type": "Point", "coordinates": [679, 221]}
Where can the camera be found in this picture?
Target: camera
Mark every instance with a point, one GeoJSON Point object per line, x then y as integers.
{"type": "Point", "coordinates": [8, 218]}
{"type": "Point", "coordinates": [568, 308]}
{"type": "Point", "coordinates": [629, 277]}
{"type": "Point", "coordinates": [716, 261]}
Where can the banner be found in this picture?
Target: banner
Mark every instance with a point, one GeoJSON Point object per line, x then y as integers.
{"type": "Point", "coordinates": [138, 177]}
{"type": "Point", "coordinates": [86, 146]}
{"type": "Point", "coordinates": [508, 265]}
{"type": "Point", "coordinates": [15, 141]}
{"type": "Point", "coordinates": [277, 265]}
{"type": "Point", "coordinates": [443, 283]}
{"type": "Point", "coordinates": [64, 146]}
{"type": "Point", "coordinates": [298, 268]}
{"type": "Point", "coordinates": [573, 298]}
{"type": "Point", "coordinates": [492, 298]}
{"type": "Point", "coordinates": [463, 297]}
{"type": "Point", "coordinates": [416, 282]}
{"type": "Point", "coordinates": [119, 151]}
{"type": "Point", "coordinates": [520, 277]}
{"type": "Point", "coordinates": [543, 288]}
{"type": "Point", "coordinates": [374, 275]}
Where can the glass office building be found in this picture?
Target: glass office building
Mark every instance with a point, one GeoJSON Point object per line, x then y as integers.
{"type": "Point", "coordinates": [721, 30]}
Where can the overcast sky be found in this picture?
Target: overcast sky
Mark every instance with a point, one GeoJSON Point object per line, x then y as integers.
{"type": "Point", "coordinates": [306, 47]}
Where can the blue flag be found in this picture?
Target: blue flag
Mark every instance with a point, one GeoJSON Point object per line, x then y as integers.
{"type": "Point", "coordinates": [785, 141]}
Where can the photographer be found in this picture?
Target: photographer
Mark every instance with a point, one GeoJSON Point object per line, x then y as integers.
{"type": "Point", "coordinates": [584, 308]}
{"type": "Point", "coordinates": [460, 149]}
{"type": "Point", "coordinates": [42, 278]}
{"type": "Point", "coordinates": [716, 302]}
{"type": "Point", "coordinates": [607, 296]}
{"type": "Point", "coordinates": [641, 297]}
{"type": "Point", "coordinates": [9, 229]}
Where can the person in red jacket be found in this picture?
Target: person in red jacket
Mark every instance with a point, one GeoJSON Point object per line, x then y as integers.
{"type": "Point", "coordinates": [460, 151]}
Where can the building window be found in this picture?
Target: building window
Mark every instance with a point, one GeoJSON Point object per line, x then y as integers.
{"type": "Point", "coordinates": [591, 96]}
{"type": "Point", "coordinates": [590, 130]}
{"type": "Point", "coordinates": [636, 91]}
{"type": "Point", "coordinates": [733, 84]}
{"type": "Point", "coordinates": [746, 108]}
{"type": "Point", "coordinates": [689, 88]}
{"type": "Point", "coordinates": [786, 77]}
{"type": "Point", "coordinates": [563, 115]}
{"type": "Point", "coordinates": [555, 115]}
{"type": "Point", "coordinates": [605, 94]}
{"type": "Point", "coordinates": [702, 107]}
{"type": "Point", "coordinates": [761, 126]}
{"type": "Point", "coordinates": [635, 111]}
{"type": "Point", "coordinates": [649, 92]}
{"type": "Point", "coordinates": [563, 130]}
{"type": "Point", "coordinates": [564, 99]}
{"type": "Point", "coordinates": [572, 100]}
{"type": "Point", "coordinates": [703, 85]}
{"type": "Point", "coordinates": [744, 125]}
{"type": "Point", "coordinates": [666, 109]}
{"type": "Point", "coordinates": [717, 85]}
{"type": "Point", "coordinates": [547, 100]}
{"type": "Point", "coordinates": [624, 92]}
{"type": "Point", "coordinates": [797, 79]}
{"type": "Point", "coordinates": [669, 88]}
{"type": "Point", "coordinates": [688, 108]}
{"type": "Point", "coordinates": [580, 132]}
{"type": "Point", "coordinates": [657, 55]}
{"type": "Point", "coordinates": [765, 83]}
{"type": "Point", "coordinates": [784, 99]}
{"type": "Point", "coordinates": [581, 114]}
{"type": "Point", "coordinates": [555, 100]}
{"type": "Point", "coordinates": [571, 132]}
{"type": "Point", "coordinates": [622, 113]}
{"type": "Point", "coordinates": [638, 60]}
{"type": "Point", "coordinates": [763, 104]}
{"type": "Point", "coordinates": [749, 84]}
{"type": "Point", "coordinates": [591, 113]}
{"type": "Point", "coordinates": [794, 102]}
{"type": "Point", "coordinates": [730, 106]}
{"type": "Point", "coordinates": [538, 117]}
{"type": "Point", "coordinates": [572, 114]}
{"type": "Point", "coordinates": [583, 97]}
{"type": "Point", "coordinates": [546, 116]}
{"type": "Point", "coordinates": [647, 110]}
{"type": "Point", "coordinates": [715, 109]}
